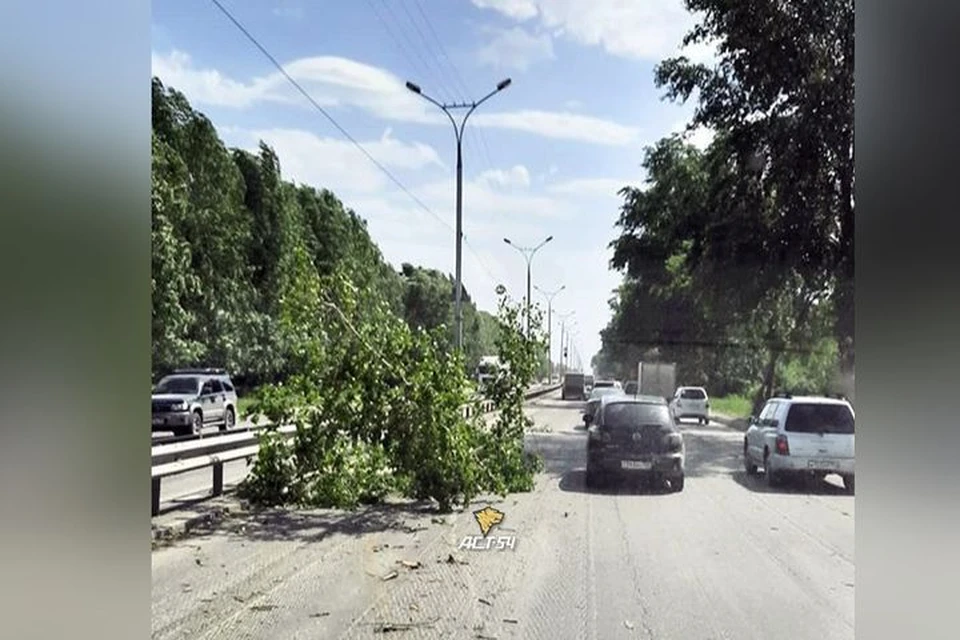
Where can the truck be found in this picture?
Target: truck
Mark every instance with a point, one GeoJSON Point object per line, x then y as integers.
{"type": "Point", "coordinates": [657, 379]}
{"type": "Point", "coordinates": [489, 368]}
{"type": "Point", "coordinates": [573, 387]}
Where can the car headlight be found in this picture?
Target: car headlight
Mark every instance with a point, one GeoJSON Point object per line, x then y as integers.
{"type": "Point", "coordinates": [178, 406]}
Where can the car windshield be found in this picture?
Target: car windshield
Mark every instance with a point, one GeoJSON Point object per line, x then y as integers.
{"type": "Point", "coordinates": [819, 418]}
{"type": "Point", "coordinates": [178, 385]}
{"type": "Point", "coordinates": [618, 415]}
{"type": "Point", "coordinates": [599, 392]}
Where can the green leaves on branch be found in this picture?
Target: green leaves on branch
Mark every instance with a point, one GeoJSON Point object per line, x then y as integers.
{"type": "Point", "coordinates": [379, 409]}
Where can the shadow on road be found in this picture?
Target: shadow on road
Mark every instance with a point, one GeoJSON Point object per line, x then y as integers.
{"type": "Point", "coordinates": [832, 486]}
{"type": "Point", "coordinates": [316, 525]}
{"type": "Point", "coordinates": [557, 403]}
{"type": "Point", "coordinates": [575, 482]}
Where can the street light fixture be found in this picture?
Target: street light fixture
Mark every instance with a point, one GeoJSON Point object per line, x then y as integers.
{"type": "Point", "coordinates": [458, 132]}
{"type": "Point", "coordinates": [528, 254]}
{"type": "Point", "coordinates": [550, 295]}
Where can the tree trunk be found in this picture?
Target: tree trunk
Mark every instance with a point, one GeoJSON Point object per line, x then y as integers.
{"type": "Point", "coordinates": [766, 389]}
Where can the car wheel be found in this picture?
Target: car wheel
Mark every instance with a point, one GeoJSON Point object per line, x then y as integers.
{"type": "Point", "coordinates": [748, 464]}
{"type": "Point", "coordinates": [848, 484]}
{"type": "Point", "coordinates": [229, 419]}
{"type": "Point", "coordinates": [197, 424]}
{"type": "Point", "coordinates": [591, 478]}
{"type": "Point", "coordinates": [676, 483]}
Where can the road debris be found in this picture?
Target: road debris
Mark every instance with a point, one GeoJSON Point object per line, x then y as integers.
{"type": "Point", "coordinates": [511, 620]}
{"type": "Point", "coordinates": [410, 565]}
{"type": "Point", "coordinates": [321, 614]}
{"type": "Point", "coordinates": [386, 627]}
{"type": "Point", "coordinates": [628, 624]}
{"type": "Point", "coordinates": [263, 607]}
{"type": "Point", "coordinates": [438, 520]}
{"type": "Point", "coordinates": [485, 601]}
{"type": "Point", "coordinates": [390, 576]}
{"type": "Point", "coordinates": [451, 560]}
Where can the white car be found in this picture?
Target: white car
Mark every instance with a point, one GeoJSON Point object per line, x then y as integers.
{"type": "Point", "coordinates": [796, 435]}
{"type": "Point", "coordinates": [690, 402]}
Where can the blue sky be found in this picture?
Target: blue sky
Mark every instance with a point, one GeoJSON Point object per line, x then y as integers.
{"type": "Point", "coordinates": [544, 157]}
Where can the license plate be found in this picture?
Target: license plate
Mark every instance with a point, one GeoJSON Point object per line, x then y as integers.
{"type": "Point", "coordinates": [821, 464]}
{"type": "Point", "coordinates": [635, 465]}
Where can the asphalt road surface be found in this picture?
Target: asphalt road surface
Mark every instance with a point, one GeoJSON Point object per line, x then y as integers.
{"type": "Point", "coordinates": [728, 558]}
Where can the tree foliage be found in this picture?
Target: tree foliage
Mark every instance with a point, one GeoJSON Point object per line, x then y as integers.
{"type": "Point", "coordinates": [738, 259]}
{"type": "Point", "coordinates": [239, 255]}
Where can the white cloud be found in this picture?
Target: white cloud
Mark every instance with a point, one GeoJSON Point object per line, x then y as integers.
{"type": "Point", "coordinates": [339, 82]}
{"type": "Point", "coordinates": [333, 163]}
{"type": "Point", "coordinates": [573, 105]}
{"type": "Point", "coordinates": [516, 9]}
{"type": "Point", "coordinates": [516, 48]}
{"type": "Point", "coordinates": [518, 176]}
{"type": "Point", "coordinates": [642, 29]}
{"type": "Point", "coordinates": [331, 81]}
{"type": "Point", "coordinates": [561, 126]}
{"type": "Point", "coordinates": [701, 137]}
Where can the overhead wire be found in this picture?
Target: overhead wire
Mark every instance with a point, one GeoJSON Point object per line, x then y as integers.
{"type": "Point", "coordinates": [343, 131]}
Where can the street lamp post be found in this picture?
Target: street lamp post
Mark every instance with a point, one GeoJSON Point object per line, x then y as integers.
{"type": "Point", "coordinates": [563, 327]}
{"type": "Point", "coordinates": [550, 295]}
{"type": "Point", "coordinates": [528, 254]}
{"type": "Point", "coordinates": [458, 132]}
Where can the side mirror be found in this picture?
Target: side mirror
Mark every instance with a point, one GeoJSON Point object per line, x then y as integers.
{"type": "Point", "coordinates": [587, 419]}
{"type": "Point", "coordinates": [752, 420]}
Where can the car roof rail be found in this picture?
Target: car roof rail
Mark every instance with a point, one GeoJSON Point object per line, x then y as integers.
{"type": "Point", "coordinates": [783, 394]}
{"type": "Point", "coordinates": [213, 371]}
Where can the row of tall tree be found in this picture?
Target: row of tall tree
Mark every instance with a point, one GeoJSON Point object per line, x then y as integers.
{"type": "Point", "coordinates": [237, 249]}
{"type": "Point", "coordinates": [738, 260]}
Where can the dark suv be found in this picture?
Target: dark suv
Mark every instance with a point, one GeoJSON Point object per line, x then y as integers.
{"type": "Point", "coordinates": [190, 399]}
{"type": "Point", "coordinates": [634, 436]}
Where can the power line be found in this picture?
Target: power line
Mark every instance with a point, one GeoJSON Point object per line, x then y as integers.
{"type": "Point", "coordinates": [458, 79]}
{"type": "Point", "coordinates": [337, 125]}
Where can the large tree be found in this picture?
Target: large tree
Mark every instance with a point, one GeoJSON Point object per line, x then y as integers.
{"type": "Point", "coordinates": [781, 97]}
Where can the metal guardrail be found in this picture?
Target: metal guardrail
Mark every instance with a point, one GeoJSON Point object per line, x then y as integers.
{"type": "Point", "coordinates": [251, 427]}
{"type": "Point", "coordinates": [190, 453]}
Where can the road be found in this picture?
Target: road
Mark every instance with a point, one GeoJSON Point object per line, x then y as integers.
{"type": "Point", "coordinates": [728, 558]}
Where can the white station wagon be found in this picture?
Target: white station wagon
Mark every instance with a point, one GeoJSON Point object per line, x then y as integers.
{"type": "Point", "coordinates": [796, 435]}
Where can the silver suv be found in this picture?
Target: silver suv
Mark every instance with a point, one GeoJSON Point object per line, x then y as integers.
{"type": "Point", "coordinates": [190, 399]}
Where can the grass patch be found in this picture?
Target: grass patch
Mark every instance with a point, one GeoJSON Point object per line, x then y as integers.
{"type": "Point", "coordinates": [732, 406]}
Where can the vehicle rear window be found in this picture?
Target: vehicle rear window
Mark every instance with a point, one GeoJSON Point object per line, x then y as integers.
{"type": "Point", "coordinates": [603, 383]}
{"type": "Point", "coordinates": [693, 394]}
{"type": "Point", "coordinates": [819, 418]}
{"type": "Point", "coordinates": [619, 415]}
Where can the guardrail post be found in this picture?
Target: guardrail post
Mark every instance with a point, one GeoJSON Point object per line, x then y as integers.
{"type": "Point", "coordinates": [154, 496]}
{"type": "Point", "coordinates": [217, 478]}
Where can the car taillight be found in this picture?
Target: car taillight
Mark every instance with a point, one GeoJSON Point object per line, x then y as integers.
{"type": "Point", "coordinates": [783, 448]}
{"type": "Point", "coordinates": [674, 442]}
